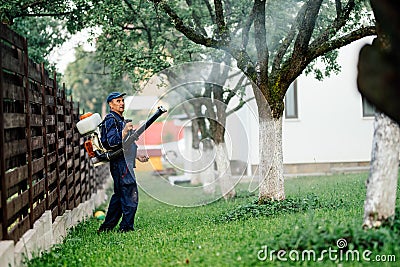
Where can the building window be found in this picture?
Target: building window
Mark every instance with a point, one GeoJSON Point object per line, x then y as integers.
{"type": "Point", "coordinates": [367, 108]}
{"type": "Point", "coordinates": [291, 102]}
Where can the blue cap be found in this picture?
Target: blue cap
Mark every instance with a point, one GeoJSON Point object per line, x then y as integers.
{"type": "Point", "coordinates": [114, 95]}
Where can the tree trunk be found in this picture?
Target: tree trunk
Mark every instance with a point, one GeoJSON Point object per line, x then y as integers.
{"type": "Point", "coordinates": [382, 182]}
{"type": "Point", "coordinates": [193, 151]}
{"type": "Point", "coordinates": [194, 174]}
{"type": "Point", "coordinates": [207, 167]}
{"type": "Point", "coordinates": [271, 160]}
{"type": "Point", "coordinates": [224, 176]}
{"type": "Point", "coordinates": [193, 161]}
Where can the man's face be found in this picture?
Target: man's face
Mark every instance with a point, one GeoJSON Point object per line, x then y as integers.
{"type": "Point", "coordinates": [117, 105]}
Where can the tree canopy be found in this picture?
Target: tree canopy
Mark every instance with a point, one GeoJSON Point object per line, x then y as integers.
{"type": "Point", "coordinates": [90, 81]}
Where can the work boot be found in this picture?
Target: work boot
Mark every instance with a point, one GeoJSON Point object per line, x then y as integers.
{"type": "Point", "coordinates": [126, 230]}
{"type": "Point", "coordinates": [102, 229]}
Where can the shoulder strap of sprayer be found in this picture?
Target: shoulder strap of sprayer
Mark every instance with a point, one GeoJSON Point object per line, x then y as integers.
{"type": "Point", "coordinates": [104, 120]}
{"type": "Point", "coordinates": [107, 155]}
{"type": "Point", "coordinates": [102, 134]}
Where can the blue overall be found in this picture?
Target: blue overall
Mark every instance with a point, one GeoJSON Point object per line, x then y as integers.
{"type": "Point", "coordinates": [124, 201]}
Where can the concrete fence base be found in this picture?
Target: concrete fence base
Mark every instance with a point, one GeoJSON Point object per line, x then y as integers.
{"type": "Point", "coordinates": [45, 234]}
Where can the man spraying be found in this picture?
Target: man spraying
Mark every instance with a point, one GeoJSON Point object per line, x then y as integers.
{"type": "Point", "coordinates": [114, 131]}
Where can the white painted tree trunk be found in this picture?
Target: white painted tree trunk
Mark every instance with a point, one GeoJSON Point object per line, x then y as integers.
{"type": "Point", "coordinates": [194, 173]}
{"type": "Point", "coordinates": [208, 173]}
{"type": "Point", "coordinates": [224, 175]}
{"type": "Point", "coordinates": [382, 182]}
{"type": "Point", "coordinates": [271, 160]}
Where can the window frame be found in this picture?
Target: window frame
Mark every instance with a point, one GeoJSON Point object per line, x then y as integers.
{"type": "Point", "coordinates": [295, 103]}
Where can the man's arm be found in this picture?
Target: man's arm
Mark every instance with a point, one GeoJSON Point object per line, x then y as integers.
{"type": "Point", "coordinates": [142, 158]}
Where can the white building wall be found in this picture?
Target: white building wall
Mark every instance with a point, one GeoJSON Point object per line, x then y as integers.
{"type": "Point", "coordinates": [330, 127]}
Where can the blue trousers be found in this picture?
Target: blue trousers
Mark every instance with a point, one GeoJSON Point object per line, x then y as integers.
{"type": "Point", "coordinates": [124, 201]}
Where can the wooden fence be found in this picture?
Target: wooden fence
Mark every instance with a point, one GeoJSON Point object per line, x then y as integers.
{"type": "Point", "coordinates": [43, 163]}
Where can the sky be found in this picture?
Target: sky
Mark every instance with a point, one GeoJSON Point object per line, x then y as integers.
{"type": "Point", "coordinates": [65, 54]}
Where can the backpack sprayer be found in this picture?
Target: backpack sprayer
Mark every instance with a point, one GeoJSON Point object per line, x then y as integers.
{"type": "Point", "coordinates": [89, 126]}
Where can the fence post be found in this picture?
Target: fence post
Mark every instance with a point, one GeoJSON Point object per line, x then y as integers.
{"type": "Point", "coordinates": [28, 131]}
{"type": "Point", "coordinates": [64, 103]}
{"type": "Point", "coordinates": [71, 113]}
{"type": "Point", "coordinates": [3, 203]}
{"type": "Point", "coordinates": [80, 163]}
{"type": "Point", "coordinates": [77, 166]}
{"type": "Point", "coordinates": [55, 89]}
{"type": "Point", "coordinates": [84, 170]}
{"type": "Point", "coordinates": [44, 133]}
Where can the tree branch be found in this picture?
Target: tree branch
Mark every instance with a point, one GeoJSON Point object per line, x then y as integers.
{"type": "Point", "coordinates": [210, 11]}
{"type": "Point", "coordinates": [189, 32]}
{"type": "Point", "coordinates": [232, 93]}
{"type": "Point", "coordinates": [306, 28]}
{"type": "Point", "coordinates": [319, 49]}
{"type": "Point", "coordinates": [339, 22]}
{"type": "Point", "coordinates": [338, 4]}
{"type": "Point", "coordinates": [196, 18]}
{"type": "Point", "coordinates": [134, 28]}
{"type": "Point", "coordinates": [261, 39]}
{"type": "Point", "coordinates": [349, 7]}
{"type": "Point", "coordinates": [43, 14]}
{"type": "Point", "coordinates": [244, 61]}
{"type": "Point", "coordinates": [233, 25]}
{"type": "Point", "coordinates": [228, 14]}
{"type": "Point", "coordinates": [239, 106]}
{"type": "Point", "coordinates": [288, 40]}
{"type": "Point", "coordinates": [219, 15]}
{"type": "Point", "coordinates": [145, 26]}
{"type": "Point", "coordinates": [246, 28]}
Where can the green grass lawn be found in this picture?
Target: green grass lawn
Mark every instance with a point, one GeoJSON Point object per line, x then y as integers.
{"type": "Point", "coordinates": [317, 213]}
